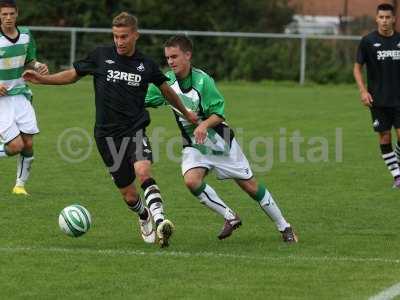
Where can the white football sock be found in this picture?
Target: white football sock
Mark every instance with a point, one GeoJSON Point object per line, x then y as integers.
{"type": "Point", "coordinates": [391, 162]}
{"type": "Point", "coordinates": [209, 198]}
{"type": "Point", "coordinates": [23, 169]}
{"type": "Point", "coordinates": [154, 201]}
{"type": "Point", "coordinates": [269, 206]}
{"type": "Point", "coordinates": [397, 151]}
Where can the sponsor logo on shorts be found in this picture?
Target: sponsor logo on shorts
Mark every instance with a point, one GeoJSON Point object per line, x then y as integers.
{"type": "Point", "coordinates": [376, 123]}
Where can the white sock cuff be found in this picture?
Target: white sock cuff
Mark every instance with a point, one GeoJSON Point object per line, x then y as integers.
{"type": "Point", "coordinates": [267, 198]}
{"type": "Point", "coordinates": [3, 152]}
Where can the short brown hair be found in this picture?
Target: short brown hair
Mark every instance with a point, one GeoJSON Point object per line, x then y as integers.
{"type": "Point", "coordinates": [386, 7]}
{"type": "Point", "coordinates": [181, 41]}
{"type": "Point", "coordinates": [8, 3]}
{"type": "Point", "coordinates": [125, 19]}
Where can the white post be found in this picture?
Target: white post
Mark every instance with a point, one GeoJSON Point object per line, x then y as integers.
{"type": "Point", "coordinates": [72, 47]}
{"type": "Point", "coordinates": [303, 56]}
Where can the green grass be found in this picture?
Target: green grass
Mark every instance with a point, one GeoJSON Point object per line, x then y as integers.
{"type": "Point", "coordinates": [345, 213]}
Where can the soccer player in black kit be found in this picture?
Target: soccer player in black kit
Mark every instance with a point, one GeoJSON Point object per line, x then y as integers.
{"type": "Point", "coordinates": [121, 77]}
{"type": "Point", "coordinates": [380, 52]}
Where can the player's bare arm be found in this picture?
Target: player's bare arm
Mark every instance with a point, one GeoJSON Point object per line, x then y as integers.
{"type": "Point", "coordinates": [39, 67]}
{"type": "Point", "coordinates": [366, 97]}
{"type": "Point", "coordinates": [200, 133]}
{"type": "Point", "coordinates": [64, 77]}
{"type": "Point", "coordinates": [175, 101]}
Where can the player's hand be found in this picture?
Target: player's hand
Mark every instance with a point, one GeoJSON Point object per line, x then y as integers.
{"type": "Point", "coordinates": [42, 69]}
{"type": "Point", "coordinates": [200, 133]}
{"type": "Point", "coordinates": [3, 90]}
{"type": "Point", "coordinates": [191, 117]}
{"type": "Point", "coordinates": [32, 76]}
{"type": "Point", "coordinates": [366, 98]}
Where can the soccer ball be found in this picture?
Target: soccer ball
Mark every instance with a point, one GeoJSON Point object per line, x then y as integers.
{"type": "Point", "coordinates": [74, 220]}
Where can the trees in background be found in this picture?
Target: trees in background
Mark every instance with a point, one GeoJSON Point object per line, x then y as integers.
{"type": "Point", "coordinates": [224, 58]}
{"type": "Point", "coordinates": [214, 15]}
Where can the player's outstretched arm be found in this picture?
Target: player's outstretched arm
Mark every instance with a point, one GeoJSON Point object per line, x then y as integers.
{"type": "Point", "coordinates": [366, 97]}
{"type": "Point", "coordinates": [175, 101]}
{"type": "Point", "coordinates": [64, 77]}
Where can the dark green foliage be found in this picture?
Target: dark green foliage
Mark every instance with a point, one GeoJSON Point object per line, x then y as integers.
{"type": "Point", "coordinates": [224, 58]}
{"type": "Point", "coordinates": [330, 61]}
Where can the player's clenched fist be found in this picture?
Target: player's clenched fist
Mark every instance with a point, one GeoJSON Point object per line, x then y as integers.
{"type": "Point", "coordinates": [31, 76]}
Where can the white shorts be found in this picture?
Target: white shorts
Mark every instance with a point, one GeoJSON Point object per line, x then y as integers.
{"type": "Point", "coordinates": [233, 166]}
{"type": "Point", "coordinates": [16, 116]}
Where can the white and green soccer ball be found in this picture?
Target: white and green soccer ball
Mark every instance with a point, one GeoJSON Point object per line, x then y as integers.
{"type": "Point", "coordinates": [74, 220]}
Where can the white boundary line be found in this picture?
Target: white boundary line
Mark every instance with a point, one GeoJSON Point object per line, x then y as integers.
{"type": "Point", "coordinates": [388, 293]}
{"type": "Point", "coordinates": [130, 252]}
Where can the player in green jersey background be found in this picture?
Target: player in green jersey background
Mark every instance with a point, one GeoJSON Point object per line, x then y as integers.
{"type": "Point", "coordinates": [211, 145]}
{"type": "Point", "coordinates": [17, 117]}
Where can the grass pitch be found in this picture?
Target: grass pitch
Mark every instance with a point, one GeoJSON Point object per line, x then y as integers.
{"type": "Point", "coordinates": [342, 207]}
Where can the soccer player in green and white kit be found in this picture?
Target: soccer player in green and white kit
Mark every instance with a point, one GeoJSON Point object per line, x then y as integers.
{"type": "Point", "coordinates": [210, 145]}
{"type": "Point", "coordinates": [17, 117]}
{"type": "Point", "coordinates": [380, 52]}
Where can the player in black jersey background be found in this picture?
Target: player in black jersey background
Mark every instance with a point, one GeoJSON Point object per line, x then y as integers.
{"type": "Point", "coordinates": [380, 52]}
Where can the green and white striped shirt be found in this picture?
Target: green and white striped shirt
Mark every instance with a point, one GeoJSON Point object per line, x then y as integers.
{"type": "Point", "coordinates": [13, 58]}
{"type": "Point", "coordinates": [200, 95]}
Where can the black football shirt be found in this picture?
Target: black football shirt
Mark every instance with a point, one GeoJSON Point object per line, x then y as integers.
{"type": "Point", "coordinates": [120, 84]}
{"type": "Point", "coordinates": [382, 57]}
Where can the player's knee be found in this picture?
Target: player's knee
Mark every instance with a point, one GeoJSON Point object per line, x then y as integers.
{"type": "Point", "coordinates": [143, 173]}
{"type": "Point", "coordinates": [142, 177]}
{"type": "Point", "coordinates": [249, 186]}
{"type": "Point", "coordinates": [14, 147]}
{"type": "Point", "coordinates": [192, 183]}
{"type": "Point", "coordinates": [28, 145]}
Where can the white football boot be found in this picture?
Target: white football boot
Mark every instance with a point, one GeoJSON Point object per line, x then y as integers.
{"type": "Point", "coordinates": [147, 229]}
{"type": "Point", "coordinates": [164, 232]}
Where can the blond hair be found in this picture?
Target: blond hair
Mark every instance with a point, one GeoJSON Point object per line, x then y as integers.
{"type": "Point", "coordinates": [125, 19]}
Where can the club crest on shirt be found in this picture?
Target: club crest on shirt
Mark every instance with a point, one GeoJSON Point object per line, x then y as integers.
{"type": "Point", "coordinates": [2, 52]}
{"type": "Point", "coordinates": [398, 45]}
{"type": "Point", "coordinates": [141, 67]}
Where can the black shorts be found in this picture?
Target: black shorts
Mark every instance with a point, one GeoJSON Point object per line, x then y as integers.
{"type": "Point", "coordinates": [384, 118]}
{"type": "Point", "coordinates": [119, 155]}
